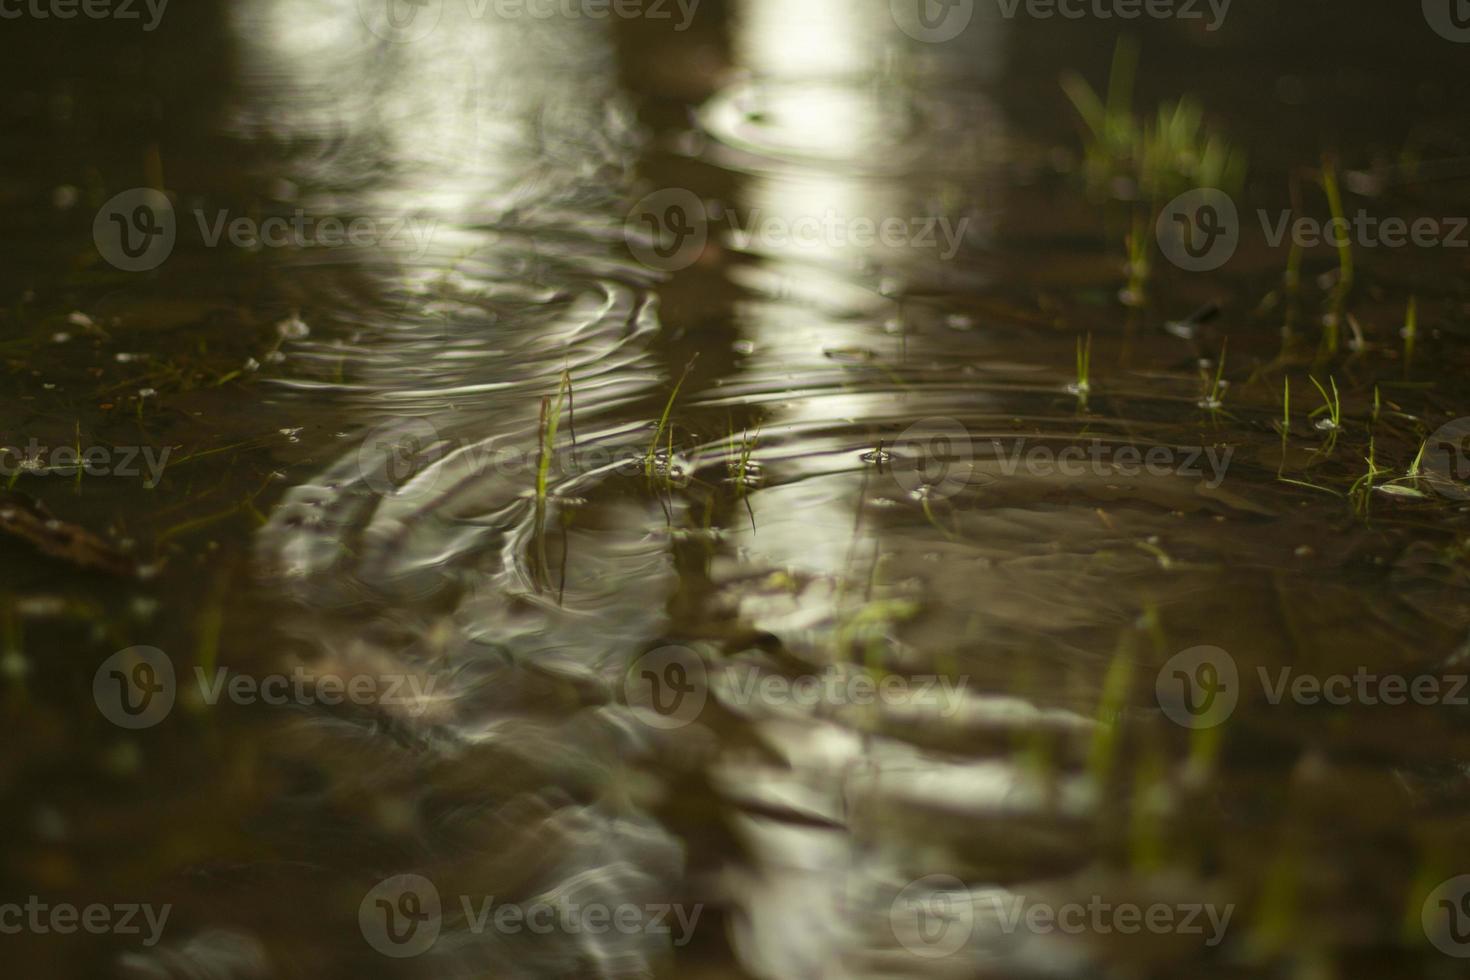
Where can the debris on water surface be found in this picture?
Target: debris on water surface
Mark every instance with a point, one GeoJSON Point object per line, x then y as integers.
{"type": "Point", "coordinates": [751, 476]}
{"type": "Point", "coordinates": [29, 520]}
{"type": "Point", "coordinates": [293, 328]}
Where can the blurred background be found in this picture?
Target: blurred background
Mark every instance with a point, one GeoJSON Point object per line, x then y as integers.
{"type": "Point", "coordinates": [726, 488]}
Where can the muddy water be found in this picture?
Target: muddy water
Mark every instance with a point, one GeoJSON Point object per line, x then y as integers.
{"type": "Point", "coordinates": [711, 553]}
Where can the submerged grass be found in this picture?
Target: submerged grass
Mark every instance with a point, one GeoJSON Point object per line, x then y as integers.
{"type": "Point", "coordinates": [1083, 384]}
{"type": "Point", "coordinates": [1162, 157]}
{"type": "Point", "coordinates": [1286, 435]}
{"type": "Point", "coordinates": [1332, 408]}
{"type": "Point", "coordinates": [1214, 397]}
{"type": "Point", "coordinates": [1285, 423]}
{"type": "Point", "coordinates": [550, 422]}
{"type": "Point", "coordinates": [1332, 322]}
{"type": "Point", "coordinates": [738, 464]}
{"type": "Point", "coordinates": [650, 459]}
{"type": "Point", "coordinates": [1410, 332]}
{"type": "Point", "coordinates": [1111, 711]}
{"type": "Point", "coordinates": [1145, 162]}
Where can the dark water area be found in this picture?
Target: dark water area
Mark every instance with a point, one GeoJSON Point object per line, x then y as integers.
{"type": "Point", "coordinates": [734, 489]}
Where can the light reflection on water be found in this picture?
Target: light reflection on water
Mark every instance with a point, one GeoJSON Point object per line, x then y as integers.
{"type": "Point", "coordinates": [528, 769]}
{"type": "Point", "coordinates": [830, 555]}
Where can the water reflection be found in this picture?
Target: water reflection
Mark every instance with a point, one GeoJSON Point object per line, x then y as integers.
{"type": "Point", "coordinates": [403, 555]}
{"type": "Point", "coordinates": [848, 138]}
{"type": "Point", "coordinates": [765, 521]}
